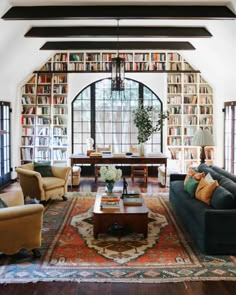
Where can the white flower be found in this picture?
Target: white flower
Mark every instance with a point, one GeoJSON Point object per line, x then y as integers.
{"type": "Point", "coordinates": [110, 173]}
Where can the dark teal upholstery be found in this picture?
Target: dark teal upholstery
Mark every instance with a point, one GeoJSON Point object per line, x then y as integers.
{"type": "Point", "coordinates": [224, 173]}
{"type": "Point", "coordinates": [212, 230]}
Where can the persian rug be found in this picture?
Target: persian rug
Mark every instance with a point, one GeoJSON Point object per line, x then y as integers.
{"type": "Point", "coordinates": [70, 252]}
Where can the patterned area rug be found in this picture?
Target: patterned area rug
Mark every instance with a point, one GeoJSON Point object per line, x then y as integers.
{"type": "Point", "coordinates": [70, 252]}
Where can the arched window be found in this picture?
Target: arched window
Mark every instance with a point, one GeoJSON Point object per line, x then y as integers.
{"type": "Point", "coordinates": [108, 119]}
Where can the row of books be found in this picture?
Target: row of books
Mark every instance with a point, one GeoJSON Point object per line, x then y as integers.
{"type": "Point", "coordinates": [113, 200]}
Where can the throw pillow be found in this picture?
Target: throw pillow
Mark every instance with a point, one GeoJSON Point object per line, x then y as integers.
{"type": "Point", "coordinates": [191, 186]}
{"type": "Point", "coordinates": [196, 175]}
{"type": "Point", "coordinates": [3, 204]}
{"type": "Point", "coordinates": [209, 178]}
{"type": "Point", "coordinates": [205, 190]}
{"type": "Point", "coordinates": [44, 168]}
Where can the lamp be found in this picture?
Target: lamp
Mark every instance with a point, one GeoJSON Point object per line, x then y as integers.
{"type": "Point", "coordinates": [202, 138]}
{"type": "Point", "coordinates": [118, 69]}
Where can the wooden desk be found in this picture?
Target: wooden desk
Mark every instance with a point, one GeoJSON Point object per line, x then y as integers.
{"type": "Point", "coordinates": [82, 159]}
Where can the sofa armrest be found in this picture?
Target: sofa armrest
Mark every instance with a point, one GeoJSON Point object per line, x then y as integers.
{"type": "Point", "coordinates": [176, 176]}
{"type": "Point", "coordinates": [30, 182]}
{"type": "Point", "coordinates": [61, 172]}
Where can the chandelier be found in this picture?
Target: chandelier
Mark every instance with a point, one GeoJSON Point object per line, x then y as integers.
{"type": "Point", "coordinates": [118, 69]}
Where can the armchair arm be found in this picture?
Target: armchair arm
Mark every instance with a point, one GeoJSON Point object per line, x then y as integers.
{"type": "Point", "coordinates": [31, 183]}
{"type": "Point", "coordinates": [61, 172]}
{"type": "Point", "coordinates": [17, 212]}
{"type": "Point", "coordinates": [20, 227]}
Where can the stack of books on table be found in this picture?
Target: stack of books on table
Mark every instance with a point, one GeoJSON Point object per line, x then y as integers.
{"type": "Point", "coordinates": [132, 199]}
{"type": "Point", "coordinates": [110, 201]}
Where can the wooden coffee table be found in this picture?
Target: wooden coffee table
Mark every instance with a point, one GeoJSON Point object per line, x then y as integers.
{"type": "Point", "coordinates": [135, 217]}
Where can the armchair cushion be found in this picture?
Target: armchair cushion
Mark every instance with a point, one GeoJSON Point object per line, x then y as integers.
{"type": "Point", "coordinates": [52, 182]}
{"type": "Point", "coordinates": [44, 168]}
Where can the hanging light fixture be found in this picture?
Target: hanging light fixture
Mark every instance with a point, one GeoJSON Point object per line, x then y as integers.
{"type": "Point", "coordinates": [118, 69]}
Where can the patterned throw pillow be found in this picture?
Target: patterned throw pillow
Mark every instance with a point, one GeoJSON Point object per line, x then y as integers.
{"type": "Point", "coordinates": [205, 190]}
{"type": "Point", "coordinates": [44, 168]}
{"type": "Point", "coordinates": [3, 204]}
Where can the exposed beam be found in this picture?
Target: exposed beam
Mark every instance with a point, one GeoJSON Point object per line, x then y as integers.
{"type": "Point", "coordinates": [121, 12]}
{"type": "Point", "coordinates": [75, 45]}
{"type": "Point", "coordinates": [131, 31]}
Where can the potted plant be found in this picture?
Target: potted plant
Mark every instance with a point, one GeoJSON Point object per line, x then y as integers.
{"type": "Point", "coordinates": [143, 120]}
{"type": "Point", "coordinates": [110, 175]}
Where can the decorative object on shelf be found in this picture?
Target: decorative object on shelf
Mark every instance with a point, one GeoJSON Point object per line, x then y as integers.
{"type": "Point", "coordinates": [118, 69]}
{"type": "Point", "coordinates": [125, 186]}
{"type": "Point", "coordinates": [202, 138]}
{"type": "Point", "coordinates": [90, 143]}
{"type": "Point", "coordinates": [110, 175]}
{"type": "Point", "coordinates": [143, 120]}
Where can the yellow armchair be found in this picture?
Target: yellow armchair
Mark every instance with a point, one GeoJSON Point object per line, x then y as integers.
{"type": "Point", "coordinates": [20, 225]}
{"type": "Point", "coordinates": [34, 185]}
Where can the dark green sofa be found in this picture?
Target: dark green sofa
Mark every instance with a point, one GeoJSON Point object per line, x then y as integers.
{"type": "Point", "coordinates": [212, 228]}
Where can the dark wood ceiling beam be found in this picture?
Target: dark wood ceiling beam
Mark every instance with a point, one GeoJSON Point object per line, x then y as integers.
{"type": "Point", "coordinates": [74, 45]}
{"type": "Point", "coordinates": [119, 12]}
{"type": "Point", "coordinates": [131, 31]}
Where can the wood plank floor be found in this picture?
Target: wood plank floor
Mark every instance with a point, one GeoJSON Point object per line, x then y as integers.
{"type": "Point", "coordinates": [69, 288]}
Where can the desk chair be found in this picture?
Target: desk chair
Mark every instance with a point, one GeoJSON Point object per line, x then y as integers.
{"type": "Point", "coordinates": [137, 169]}
{"type": "Point", "coordinates": [98, 166]}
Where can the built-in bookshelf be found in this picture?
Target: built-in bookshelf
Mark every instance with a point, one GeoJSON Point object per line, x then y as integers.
{"type": "Point", "coordinates": [135, 61]}
{"type": "Point", "coordinates": [45, 106]}
{"type": "Point", "coordinates": [44, 119]}
{"type": "Point", "coordinates": [190, 106]}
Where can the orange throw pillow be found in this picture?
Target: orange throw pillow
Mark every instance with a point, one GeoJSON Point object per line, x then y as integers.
{"type": "Point", "coordinates": [196, 175]}
{"type": "Point", "coordinates": [205, 190]}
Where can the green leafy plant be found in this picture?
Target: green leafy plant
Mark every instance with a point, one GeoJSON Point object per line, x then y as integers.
{"type": "Point", "coordinates": [143, 120]}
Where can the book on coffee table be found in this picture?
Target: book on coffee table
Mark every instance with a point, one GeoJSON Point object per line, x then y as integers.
{"type": "Point", "coordinates": [132, 200]}
{"type": "Point", "coordinates": [109, 201]}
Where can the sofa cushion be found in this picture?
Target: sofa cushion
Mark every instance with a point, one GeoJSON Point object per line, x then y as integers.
{"type": "Point", "coordinates": [204, 168]}
{"type": "Point", "coordinates": [2, 204]}
{"type": "Point", "coordinates": [229, 185]}
{"type": "Point", "coordinates": [224, 172]}
{"type": "Point", "coordinates": [205, 190]}
{"type": "Point", "coordinates": [44, 168]}
{"type": "Point", "coordinates": [222, 199]}
{"type": "Point", "coordinates": [52, 182]}
{"type": "Point", "coordinates": [191, 185]}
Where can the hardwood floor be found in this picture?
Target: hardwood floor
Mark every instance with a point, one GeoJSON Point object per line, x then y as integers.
{"type": "Point", "coordinates": [69, 288]}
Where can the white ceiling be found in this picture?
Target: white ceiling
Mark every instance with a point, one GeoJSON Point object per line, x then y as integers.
{"type": "Point", "coordinates": [214, 57]}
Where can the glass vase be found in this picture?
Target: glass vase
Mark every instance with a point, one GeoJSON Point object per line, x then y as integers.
{"type": "Point", "coordinates": [110, 186]}
{"type": "Point", "coordinates": [141, 149]}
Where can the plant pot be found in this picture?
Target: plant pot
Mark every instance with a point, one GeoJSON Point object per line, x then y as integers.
{"type": "Point", "coordinates": [110, 186]}
{"type": "Point", "coordinates": [141, 149]}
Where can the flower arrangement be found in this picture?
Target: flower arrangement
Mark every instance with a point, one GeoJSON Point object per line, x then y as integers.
{"type": "Point", "coordinates": [143, 120]}
{"type": "Point", "coordinates": [110, 174]}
